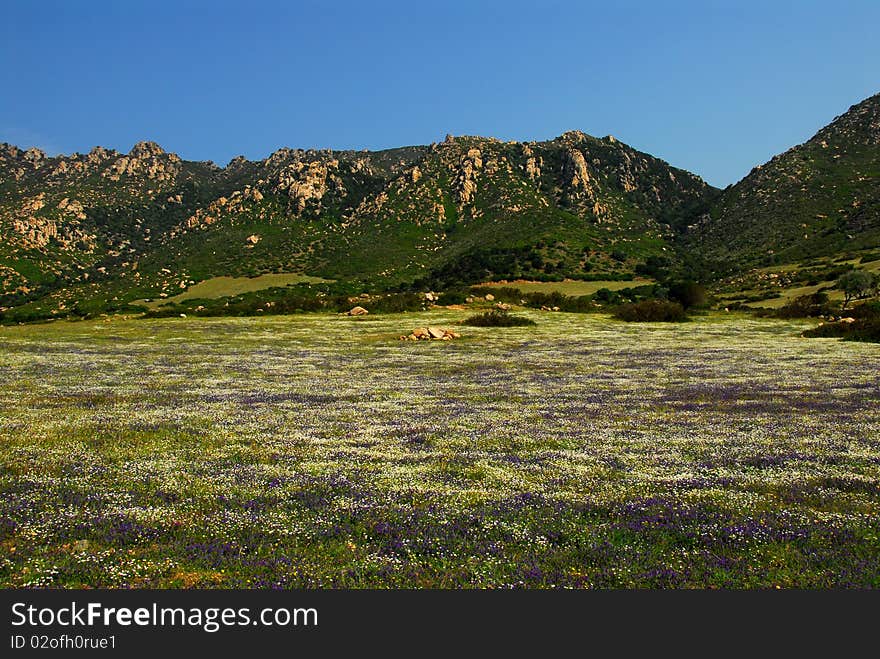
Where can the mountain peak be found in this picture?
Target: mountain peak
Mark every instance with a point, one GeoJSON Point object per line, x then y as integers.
{"type": "Point", "coordinates": [145, 149]}
{"type": "Point", "coordinates": [860, 124]}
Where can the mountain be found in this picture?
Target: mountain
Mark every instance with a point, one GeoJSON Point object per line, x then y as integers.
{"type": "Point", "coordinates": [105, 228]}
{"type": "Point", "coordinates": [816, 199]}
{"type": "Point", "coordinates": [90, 233]}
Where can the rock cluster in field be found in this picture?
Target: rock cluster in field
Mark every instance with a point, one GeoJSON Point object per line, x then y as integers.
{"type": "Point", "coordinates": [430, 334]}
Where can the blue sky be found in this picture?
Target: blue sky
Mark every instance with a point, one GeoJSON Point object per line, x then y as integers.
{"type": "Point", "coordinates": [713, 87]}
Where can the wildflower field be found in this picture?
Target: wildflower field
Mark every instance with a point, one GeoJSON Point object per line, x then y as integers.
{"type": "Point", "coordinates": [317, 451]}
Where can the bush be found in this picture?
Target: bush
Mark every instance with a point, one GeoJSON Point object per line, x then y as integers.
{"type": "Point", "coordinates": [454, 296]}
{"type": "Point", "coordinates": [688, 294]}
{"type": "Point", "coordinates": [396, 303]}
{"type": "Point", "coordinates": [806, 306]}
{"type": "Point", "coordinates": [570, 303]}
{"type": "Point", "coordinates": [865, 328]}
{"type": "Point", "coordinates": [606, 296]}
{"type": "Point", "coordinates": [651, 311]}
{"type": "Point", "coordinates": [501, 293]}
{"type": "Point", "coordinates": [861, 330]}
{"type": "Point", "coordinates": [497, 318]}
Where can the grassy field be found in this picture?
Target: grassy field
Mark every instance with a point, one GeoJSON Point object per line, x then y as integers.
{"type": "Point", "coordinates": [225, 286]}
{"type": "Point", "coordinates": [789, 293]}
{"type": "Point", "coordinates": [318, 451]}
{"type": "Point", "coordinates": [569, 286]}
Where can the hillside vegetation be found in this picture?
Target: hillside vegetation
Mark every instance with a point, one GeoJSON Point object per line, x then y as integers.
{"type": "Point", "coordinates": [95, 233]}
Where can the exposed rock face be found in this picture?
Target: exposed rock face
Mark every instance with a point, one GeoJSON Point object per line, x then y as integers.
{"type": "Point", "coordinates": [35, 157]}
{"type": "Point", "coordinates": [35, 232]}
{"type": "Point", "coordinates": [533, 167]}
{"type": "Point", "coordinates": [98, 155]}
{"type": "Point", "coordinates": [306, 181]}
{"type": "Point", "coordinates": [146, 150]}
{"type": "Point", "coordinates": [148, 160]}
{"type": "Point", "coordinates": [577, 173]}
{"type": "Point", "coordinates": [35, 204]}
{"type": "Point", "coordinates": [38, 232]}
{"type": "Point", "coordinates": [72, 207]}
{"type": "Point", "coordinates": [466, 179]}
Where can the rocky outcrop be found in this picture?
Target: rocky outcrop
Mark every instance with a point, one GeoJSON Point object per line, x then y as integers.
{"type": "Point", "coordinates": [306, 182]}
{"type": "Point", "coordinates": [577, 175]}
{"type": "Point", "coordinates": [466, 178]}
{"type": "Point", "coordinates": [430, 334]}
{"type": "Point", "coordinates": [38, 232]}
{"type": "Point", "coordinates": [147, 160]}
{"type": "Point", "coordinates": [72, 207]}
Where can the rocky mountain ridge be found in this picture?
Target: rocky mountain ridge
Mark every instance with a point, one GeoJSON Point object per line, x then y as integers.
{"type": "Point", "coordinates": [383, 217]}
{"type": "Point", "coordinates": [107, 227]}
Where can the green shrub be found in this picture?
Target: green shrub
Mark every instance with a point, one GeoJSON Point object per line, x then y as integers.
{"type": "Point", "coordinates": [395, 303]}
{"type": "Point", "coordinates": [497, 318]}
{"type": "Point", "coordinates": [570, 303]}
{"type": "Point", "coordinates": [865, 328]}
{"type": "Point", "coordinates": [651, 311]}
{"type": "Point", "coordinates": [452, 296]}
{"type": "Point", "coordinates": [501, 293]}
{"type": "Point", "coordinates": [806, 306]}
{"type": "Point", "coordinates": [688, 294]}
{"type": "Point", "coordinates": [861, 330]}
{"type": "Point", "coordinates": [606, 296]}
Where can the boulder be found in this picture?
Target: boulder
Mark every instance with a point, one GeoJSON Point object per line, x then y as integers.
{"type": "Point", "coordinates": [489, 297]}
{"type": "Point", "coordinates": [358, 311]}
{"type": "Point", "coordinates": [431, 333]}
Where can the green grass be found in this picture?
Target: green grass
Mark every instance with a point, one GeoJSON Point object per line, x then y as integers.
{"type": "Point", "coordinates": [792, 291]}
{"type": "Point", "coordinates": [569, 286]}
{"type": "Point", "coordinates": [218, 287]}
{"type": "Point", "coordinates": [319, 451]}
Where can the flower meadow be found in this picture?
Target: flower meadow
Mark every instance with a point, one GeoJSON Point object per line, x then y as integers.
{"type": "Point", "coordinates": [317, 451]}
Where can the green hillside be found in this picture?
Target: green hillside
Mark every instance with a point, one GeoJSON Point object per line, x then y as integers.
{"type": "Point", "coordinates": [816, 199]}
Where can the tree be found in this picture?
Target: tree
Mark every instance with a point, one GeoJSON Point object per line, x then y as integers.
{"type": "Point", "coordinates": [856, 285]}
{"type": "Point", "coordinates": [688, 293]}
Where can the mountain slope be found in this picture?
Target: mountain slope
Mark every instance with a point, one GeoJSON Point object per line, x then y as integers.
{"type": "Point", "coordinates": [113, 228]}
{"type": "Point", "coordinates": [816, 199]}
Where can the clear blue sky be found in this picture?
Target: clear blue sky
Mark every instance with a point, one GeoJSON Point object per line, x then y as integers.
{"type": "Point", "coordinates": [713, 87]}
